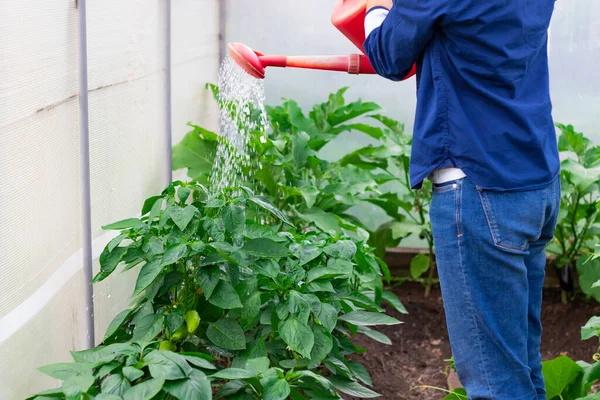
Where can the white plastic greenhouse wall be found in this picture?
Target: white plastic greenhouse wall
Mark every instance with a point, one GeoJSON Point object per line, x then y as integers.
{"type": "Point", "coordinates": [42, 297]}
{"type": "Point", "coordinates": [137, 106]}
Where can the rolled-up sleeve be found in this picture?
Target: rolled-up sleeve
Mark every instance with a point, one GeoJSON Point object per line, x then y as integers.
{"type": "Point", "coordinates": [398, 42]}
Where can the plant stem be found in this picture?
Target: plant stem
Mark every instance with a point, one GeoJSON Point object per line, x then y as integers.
{"type": "Point", "coordinates": [432, 268]}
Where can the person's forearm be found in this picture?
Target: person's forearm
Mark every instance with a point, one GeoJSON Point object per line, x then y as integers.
{"type": "Point", "coordinates": [379, 3]}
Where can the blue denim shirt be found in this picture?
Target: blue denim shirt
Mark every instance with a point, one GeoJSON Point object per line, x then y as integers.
{"type": "Point", "coordinates": [483, 100]}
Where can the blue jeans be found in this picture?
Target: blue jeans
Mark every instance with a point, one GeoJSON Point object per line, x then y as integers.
{"type": "Point", "coordinates": [491, 261]}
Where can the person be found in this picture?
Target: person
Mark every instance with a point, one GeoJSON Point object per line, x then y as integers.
{"type": "Point", "coordinates": [484, 135]}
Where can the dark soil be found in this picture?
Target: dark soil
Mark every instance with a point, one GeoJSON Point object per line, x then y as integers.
{"type": "Point", "coordinates": [420, 344]}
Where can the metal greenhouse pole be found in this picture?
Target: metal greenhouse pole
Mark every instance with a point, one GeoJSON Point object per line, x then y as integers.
{"type": "Point", "coordinates": [84, 166]}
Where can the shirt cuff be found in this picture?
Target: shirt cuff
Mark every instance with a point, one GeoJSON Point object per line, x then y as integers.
{"type": "Point", "coordinates": [375, 18]}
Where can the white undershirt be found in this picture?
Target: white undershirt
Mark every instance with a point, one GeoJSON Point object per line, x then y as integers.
{"type": "Point", "coordinates": [373, 21]}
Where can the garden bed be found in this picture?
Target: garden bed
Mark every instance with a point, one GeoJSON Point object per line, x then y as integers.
{"type": "Point", "coordinates": [421, 343]}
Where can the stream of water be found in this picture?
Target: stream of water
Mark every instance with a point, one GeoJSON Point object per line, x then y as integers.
{"type": "Point", "coordinates": [242, 112]}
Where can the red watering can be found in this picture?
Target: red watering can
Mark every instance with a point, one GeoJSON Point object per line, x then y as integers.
{"type": "Point", "coordinates": [348, 17]}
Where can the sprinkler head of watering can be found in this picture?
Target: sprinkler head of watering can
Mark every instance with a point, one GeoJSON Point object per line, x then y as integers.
{"type": "Point", "coordinates": [247, 59]}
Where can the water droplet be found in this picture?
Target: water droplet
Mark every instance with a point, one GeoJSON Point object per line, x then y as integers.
{"type": "Point", "coordinates": [242, 112]}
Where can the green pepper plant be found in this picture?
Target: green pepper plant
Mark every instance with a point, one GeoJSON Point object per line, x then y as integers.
{"type": "Point", "coordinates": [225, 307]}
{"type": "Point", "coordinates": [578, 227]}
{"type": "Point", "coordinates": [294, 174]}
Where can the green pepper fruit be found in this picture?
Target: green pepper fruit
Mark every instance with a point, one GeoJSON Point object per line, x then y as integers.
{"type": "Point", "coordinates": [192, 320]}
{"type": "Point", "coordinates": [180, 334]}
{"type": "Point", "coordinates": [167, 345]}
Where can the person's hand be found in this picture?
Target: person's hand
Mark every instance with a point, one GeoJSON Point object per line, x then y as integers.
{"type": "Point", "coordinates": [379, 3]}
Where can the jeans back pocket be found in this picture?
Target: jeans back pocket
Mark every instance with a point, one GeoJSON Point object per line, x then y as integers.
{"type": "Point", "coordinates": [515, 219]}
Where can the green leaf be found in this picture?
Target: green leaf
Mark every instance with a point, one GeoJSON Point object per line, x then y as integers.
{"type": "Point", "coordinates": [124, 224]}
{"type": "Point", "coordinates": [148, 328]}
{"type": "Point", "coordinates": [183, 193]}
{"type": "Point", "coordinates": [351, 111]}
{"type": "Point", "coordinates": [570, 140]}
{"type": "Point", "coordinates": [393, 300]}
{"type": "Point", "coordinates": [310, 194]}
{"type": "Point", "coordinates": [360, 372]}
{"type": "Point", "coordinates": [231, 389]}
{"type": "Point", "coordinates": [419, 265]}
{"type": "Point", "coordinates": [153, 247]}
{"type": "Point", "coordinates": [149, 203]}
{"type": "Point", "coordinates": [195, 387]}
{"type": "Point", "coordinates": [341, 249]}
{"type": "Point", "coordinates": [298, 306]}
{"type": "Point", "coordinates": [585, 179]}
{"type": "Point", "coordinates": [322, 346]}
{"type": "Point", "coordinates": [234, 373]}
{"type": "Point", "coordinates": [591, 374]}
{"type": "Point", "coordinates": [198, 361]}
{"type": "Point", "coordinates": [365, 318]}
{"type": "Point", "coordinates": [394, 125]}
{"type": "Point", "coordinates": [208, 278]}
{"type": "Point", "coordinates": [182, 216]}
{"type": "Point", "coordinates": [267, 205]}
{"type": "Point", "coordinates": [594, 396]}
{"type": "Point", "coordinates": [352, 388]}
{"type": "Point", "coordinates": [109, 262]}
{"type": "Point", "coordinates": [103, 354]}
{"type": "Point", "coordinates": [106, 369]}
{"type": "Point", "coordinates": [375, 335]}
{"type": "Point", "coordinates": [52, 394]}
{"type": "Point", "coordinates": [297, 335]}
{"type": "Point", "coordinates": [196, 152]}
{"type": "Point", "coordinates": [362, 301]}
{"type": "Point", "coordinates": [104, 396]}
{"type": "Point", "coordinates": [267, 267]}
{"type": "Point", "coordinates": [235, 219]}
{"type": "Point", "coordinates": [115, 384]}
{"type": "Point", "coordinates": [276, 389]}
{"type": "Point", "coordinates": [323, 220]}
{"type": "Point", "coordinates": [589, 273]}
{"type": "Point", "coordinates": [457, 394]}
{"type": "Point", "coordinates": [258, 365]}
{"type": "Point", "coordinates": [167, 365]}
{"type": "Point", "coordinates": [145, 390]}
{"type": "Point", "coordinates": [251, 311]}
{"type": "Point", "coordinates": [227, 334]}
{"type": "Point", "coordinates": [384, 269]}
{"type": "Point", "coordinates": [76, 385]}
{"type": "Point", "coordinates": [115, 242]}
{"type": "Point", "coordinates": [266, 248]}
{"type": "Point", "coordinates": [148, 274]}
{"type": "Point", "coordinates": [64, 371]}
{"type": "Point", "coordinates": [132, 373]}
{"type": "Point", "coordinates": [156, 210]}
{"type": "Point", "coordinates": [174, 254]}
{"type": "Point", "coordinates": [591, 328]}
{"type": "Point", "coordinates": [373, 131]}
{"type": "Point", "coordinates": [559, 374]}
{"type": "Point", "coordinates": [116, 323]}
{"type": "Point", "coordinates": [321, 380]}
{"type": "Point", "coordinates": [328, 317]}
{"type": "Point", "coordinates": [224, 296]}
{"type": "Point", "coordinates": [320, 286]}
{"type": "Point", "coordinates": [305, 252]}
{"type": "Point", "coordinates": [334, 269]}
{"type": "Point", "coordinates": [298, 120]}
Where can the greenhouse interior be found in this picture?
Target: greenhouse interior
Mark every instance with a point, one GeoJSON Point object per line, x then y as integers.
{"type": "Point", "coordinates": [184, 218]}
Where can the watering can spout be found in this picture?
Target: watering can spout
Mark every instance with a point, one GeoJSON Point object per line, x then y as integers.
{"type": "Point", "coordinates": [254, 63]}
